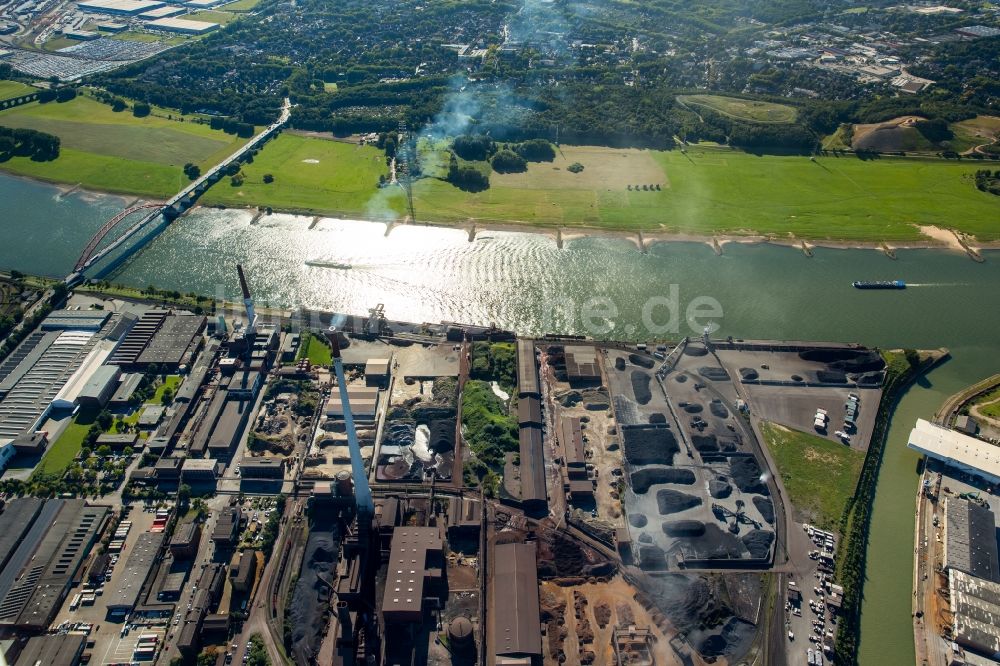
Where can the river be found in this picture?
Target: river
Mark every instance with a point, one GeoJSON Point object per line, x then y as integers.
{"type": "Point", "coordinates": [524, 282]}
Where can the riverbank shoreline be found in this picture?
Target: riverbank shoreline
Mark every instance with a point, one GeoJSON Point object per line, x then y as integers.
{"type": "Point", "coordinates": [935, 237]}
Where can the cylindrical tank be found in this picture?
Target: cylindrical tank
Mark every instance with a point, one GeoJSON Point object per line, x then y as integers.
{"type": "Point", "coordinates": [460, 635]}
{"type": "Point", "coordinates": [345, 486]}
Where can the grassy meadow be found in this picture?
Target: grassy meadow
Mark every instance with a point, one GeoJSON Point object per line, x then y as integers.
{"type": "Point", "coordinates": [10, 89]}
{"type": "Point", "coordinates": [117, 152]}
{"type": "Point", "coordinates": [743, 109]}
{"type": "Point", "coordinates": [704, 191]}
{"type": "Point", "coordinates": [819, 475]}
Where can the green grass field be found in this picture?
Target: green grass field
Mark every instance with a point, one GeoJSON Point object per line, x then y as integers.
{"type": "Point", "coordinates": [171, 382]}
{"type": "Point", "coordinates": [62, 451]}
{"type": "Point", "coordinates": [213, 16]}
{"type": "Point", "coordinates": [819, 475]}
{"type": "Point", "coordinates": [309, 175]}
{"type": "Point", "coordinates": [315, 350]}
{"type": "Point", "coordinates": [10, 89]}
{"type": "Point", "coordinates": [116, 152]}
{"type": "Point", "coordinates": [705, 191]}
{"type": "Point", "coordinates": [743, 109]}
{"type": "Point", "coordinates": [989, 404]}
{"type": "Point", "coordinates": [241, 6]}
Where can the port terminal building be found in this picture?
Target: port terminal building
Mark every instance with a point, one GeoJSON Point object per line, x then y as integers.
{"type": "Point", "coordinates": [961, 452]}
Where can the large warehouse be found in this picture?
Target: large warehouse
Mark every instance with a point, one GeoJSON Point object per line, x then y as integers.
{"type": "Point", "coordinates": [970, 542]}
{"type": "Point", "coordinates": [52, 368]}
{"type": "Point", "coordinates": [975, 609]}
{"type": "Point", "coordinates": [184, 26]}
{"type": "Point", "coordinates": [967, 454]}
{"type": "Point", "coordinates": [167, 339]}
{"type": "Point", "coordinates": [119, 7]}
{"type": "Point", "coordinates": [38, 574]}
{"type": "Point", "coordinates": [517, 635]}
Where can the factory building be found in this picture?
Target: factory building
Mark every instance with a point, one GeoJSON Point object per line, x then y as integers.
{"type": "Point", "coordinates": [465, 516]}
{"type": "Point", "coordinates": [533, 497]}
{"type": "Point", "coordinates": [30, 444]}
{"type": "Point", "coordinates": [416, 561]}
{"type": "Point", "coordinates": [227, 527]}
{"type": "Point", "coordinates": [162, 12]}
{"type": "Point", "coordinates": [78, 320]}
{"type": "Point", "coordinates": [529, 412]}
{"type": "Point", "coordinates": [975, 610]}
{"type": "Point", "coordinates": [377, 372]}
{"type": "Point", "coordinates": [183, 26]}
{"type": "Point", "coordinates": [35, 581]}
{"type": "Point", "coordinates": [970, 543]}
{"type": "Point", "coordinates": [117, 441]}
{"type": "Point", "coordinates": [50, 368]}
{"type": "Point", "coordinates": [961, 452]}
{"type": "Point", "coordinates": [52, 650]}
{"type": "Point", "coordinates": [527, 370]}
{"type": "Point", "coordinates": [99, 387]}
{"type": "Point", "coordinates": [128, 384]}
{"type": "Point", "coordinates": [262, 467]}
{"type": "Point", "coordinates": [199, 470]}
{"type": "Point", "coordinates": [242, 575]}
{"type": "Point", "coordinates": [17, 518]}
{"type": "Point", "coordinates": [582, 365]}
{"type": "Point", "coordinates": [363, 399]}
{"type": "Point", "coordinates": [138, 566]}
{"type": "Point", "coordinates": [160, 337]}
{"type": "Point", "coordinates": [229, 427]}
{"type": "Point", "coordinates": [517, 633]}
{"type": "Point", "coordinates": [118, 7]}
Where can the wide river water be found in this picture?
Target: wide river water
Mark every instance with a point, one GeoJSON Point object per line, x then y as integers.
{"type": "Point", "coordinates": [524, 282]}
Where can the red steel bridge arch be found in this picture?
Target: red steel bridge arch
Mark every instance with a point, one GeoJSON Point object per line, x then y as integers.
{"type": "Point", "coordinates": [102, 233]}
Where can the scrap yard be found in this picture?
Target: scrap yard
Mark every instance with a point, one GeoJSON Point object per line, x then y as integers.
{"type": "Point", "coordinates": [382, 492]}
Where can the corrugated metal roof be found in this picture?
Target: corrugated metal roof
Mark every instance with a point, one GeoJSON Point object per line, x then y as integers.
{"type": "Point", "coordinates": [516, 619]}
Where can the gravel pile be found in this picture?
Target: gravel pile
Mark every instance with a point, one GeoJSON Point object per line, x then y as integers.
{"type": "Point", "coordinates": [649, 444]}
{"type": "Point", "coordinates": [720, 489]}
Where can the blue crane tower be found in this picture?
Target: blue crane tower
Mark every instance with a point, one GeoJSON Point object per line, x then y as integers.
{"type": "Point", "coordinates": [362, 493]}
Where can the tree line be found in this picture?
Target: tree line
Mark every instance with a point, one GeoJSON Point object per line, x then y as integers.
{"type": "Point", "coordinates": [23, 142]}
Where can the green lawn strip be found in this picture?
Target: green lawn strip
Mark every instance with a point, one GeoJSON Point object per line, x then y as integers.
{"type": "Point", "coordinates": [315, 349]}
{"type": "Point", "coordinates": [9, 89]}
{"type": "Point", "coordinates": [743, 109]}
{"type": "Point", "coordinates": [989, 404]}
{"type": "Point", "coordinates": [211, 16]}
{"type": "Point", "coordinates": [62, 451]}
{"type": "Point", "coordinates": [819, 475]}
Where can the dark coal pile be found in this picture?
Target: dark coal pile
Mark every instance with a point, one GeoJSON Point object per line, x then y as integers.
{"type": "Point", "coordinates": [400, 433]}
{"type": "Point", "coordinates": [673, 501]}
{"type": "Point", "coordinates": [732, 640]}
{"type": "Point", "coordinates": [649, 444]}
{"type": "Point", "coordinates": [619, 364]}
{"type": "Point", "coordinates": [684, 528]}
{"type": "Point", "coordinates": [758, 543]}
{"type": "Point", "coordinates": [650, 476]}
{"type": "Point", "coordinates": [746, 475]}
{"type": "Point", "coordinates": [645, 538]}
{"type": "Point", "coordinates": [657, 418]}
{"type": "Point", "coordinates": [720, 489]}
{"type": "Point", "coordinates": [695, 351]}
{"type": "Point", "coordinates": [848, 360]}
{"type": "Point", "coordinates": [749, 374]}
{"type": "Point", "coordinates": [680, 379]}
{"type": "Point", "coordinates": [641, 361]}
{"type": "Point", "coordinates": [442, 437]}
{"type": "Point", "coordinates": [718, 409]}
{"type": "Point", "coordinates": [626, 410]}
{"type": "Point", "coordinates": [714, 374]}
{"type": "Point", "coordinates": [652, 558]}
{"type": "Point", "coordinates": [729, 444]}
{"type": "Point", "coordinates": [714, 544]}
{"type": "Point", "coordinates": [693, 407]}
{"type": "Point", "coordinates": [870, 379]}
{"type": "Point", "coordinates": [766, 508]}
{"type": "Point", "coordinates": [705, 443]}
{"type": "Point", "coordinates": [831, 377]}
{"type": "Point", "coordinates": [310, 604]}
{"type": "Point", "coordinates": [637, 519]}
{"type": "Point", "coordinates": [640, 387]}
{"type": "Point", "coordinates": [797, 378]}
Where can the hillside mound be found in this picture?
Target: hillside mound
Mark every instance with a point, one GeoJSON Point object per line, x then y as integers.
{"type": "Point", "coordinates": [892, 136]}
